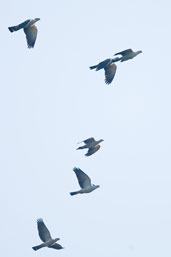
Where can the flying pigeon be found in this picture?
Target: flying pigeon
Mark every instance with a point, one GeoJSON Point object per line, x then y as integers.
{"type": "Point", "coordinates": [110, 68]}
{"type": "Point", "coordinates": [45, 236]}
{"type": "Point", "coordinates": [84, 182]}
{"type": "Point", "coordinates": [29, 29]}
{"type": "Point", "coordinates": [127, 54]}
{"type": "Point", "coordinates": [92, 144]}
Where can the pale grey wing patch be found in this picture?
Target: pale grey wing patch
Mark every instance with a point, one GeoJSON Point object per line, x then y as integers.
{"type": "Point", "coordinates": [31, 35]}
{"type": "Point", "coordinates": [92, 150]}
{"type": "Point", "coordinates": [83, 179]}
{"type": "Point", "coordinates": [56, 246]}
{"type": "Point", "coordinates": [44, 233]}
{"type": "Point", "coordinates": [127, 51]}
{"type": "Point", "coordinates": [110, 71]}
{"type": "Point", "coordinates": [89, 140]}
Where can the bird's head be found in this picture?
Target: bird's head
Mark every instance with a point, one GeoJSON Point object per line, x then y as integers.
{"type": "Point", "coordinates": [139, 52]}
{"type": "Point", "coordinates": [57, 239]}
{"type": "Point", "coordinates": [95, 186]}
{"type": "Point", "coordinates": [37, 19]}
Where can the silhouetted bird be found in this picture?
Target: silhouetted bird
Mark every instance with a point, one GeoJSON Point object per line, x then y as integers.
{"type": "Point", "coordinates": [92, 144]}
{"type": "Point", "coordinates": [45, 236]}
{"type": "Point", "coordinates": [84, 182]}
{"type": "Point", "coordinates": [29, 29]}
{"type": "Point", "coordinates": [127, 54]}
{"type": "Point", "coordinates": [110, 68]}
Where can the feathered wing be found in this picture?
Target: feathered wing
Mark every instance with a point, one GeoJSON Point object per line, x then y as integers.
{"type": "Point", "coordinates": [110, 71]}
{"type": "Point", "coordinates": [19, 26]}
{"type": "Point", "coordinates": [100, 65]}
{"type": "Point", "coordinates": [127, 51]}
{"type": "Point", "coordinates": [83, 179]}
{"type": "Point", "coordinates": [92, 150]}
{"type": "Point", "coordinates": [89, 140]}
{"type": "Point", "coordinates": [44, 233]}
{"type": "Point", "coordinates": [103, 64]}
{"type": "Point", "coordinates": [31, 35]}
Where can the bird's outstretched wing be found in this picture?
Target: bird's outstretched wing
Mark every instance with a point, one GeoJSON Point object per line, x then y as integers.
{"type": "Point", "coordinates": [83, 179]}
{"type": "Point", "coordinates": [103, 64]}
{"type": "Point", "coordinates": [92, 150]}
{"type": "Point", "coordinates": [89, 140]}
{"type": "Point", "coordinates": [19, 26]}
{"type": "Point", "coordinates": [127, 51]}
{"type": "Point", "coordinates": [31, 35]}
{"type": "Point", "coordinates": [110, 71]}
{"type": "Point", "coordinates": [43, 231]}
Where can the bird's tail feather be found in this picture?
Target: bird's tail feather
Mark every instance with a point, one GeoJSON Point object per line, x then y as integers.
{"type": "Point", "coordinates": [81, 147]}
{"type": "Point", "coordinates": [93, 67]}
{"type": "Point", "coordinates": [74, 193]}
{"type": "Point", "coordinates": [37, 247]}
{"type": "Point", "coordinates": [12, 29]}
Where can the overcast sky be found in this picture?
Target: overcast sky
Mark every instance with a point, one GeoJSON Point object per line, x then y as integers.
{"type": "Point", "coordinates": [50, 100]}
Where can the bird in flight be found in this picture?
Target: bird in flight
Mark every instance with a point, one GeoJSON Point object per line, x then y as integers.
{"type": "Point", "coordinates": [84, 182]}
{"type": "Point", "coordinates": [45, 236]}
{"type": "Point", "coordinates": [109, 67]}
{"type": "Point", "coordinates": [127, 54]}
{"type": "Point", "coordinates": [30, 30]}
{"type": "Point", "coordinates": [92, 144]}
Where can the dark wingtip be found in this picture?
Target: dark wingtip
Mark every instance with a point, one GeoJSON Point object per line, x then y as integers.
{"type": "Point", "coordinates": [10, 29]}
{"type": "Point", "coordinates": [93, 67]}
{"type": "Point", "coordinates": [30, 46]}
{"type": "Point", "coordinates": [39, 220]}
{"type": "Point", "coordinates": [107, 82]}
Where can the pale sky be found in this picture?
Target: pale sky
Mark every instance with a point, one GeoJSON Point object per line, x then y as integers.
{"type": "Point", "coordinates": [50, 100]}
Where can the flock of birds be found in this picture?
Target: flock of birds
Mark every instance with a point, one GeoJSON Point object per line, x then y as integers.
{"type": "Point", "coordinates": [108, 65]}
{"type": "Point", "coordinates": [91, 144]}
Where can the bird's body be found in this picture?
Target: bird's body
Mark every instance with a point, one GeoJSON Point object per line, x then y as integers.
{"type": "Point", "coordinates": [127, 54]}
{"type": "Point", "coordinates": [84, 191]}
{"type": "Point", "coordinates": [109, 65]}
{"type": "Point", "coordinates": [29, 29]}
{"type": "Point", "coordinates": [110, 68]}
{"type": "Point", "coordinates": [84, 182]}
{"type": "Point", "coordinates": [92, 144]}
{"type": "Point", "coordinates": [48, 243]}
{"type": "Point", "coordinates": [45, 236]}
